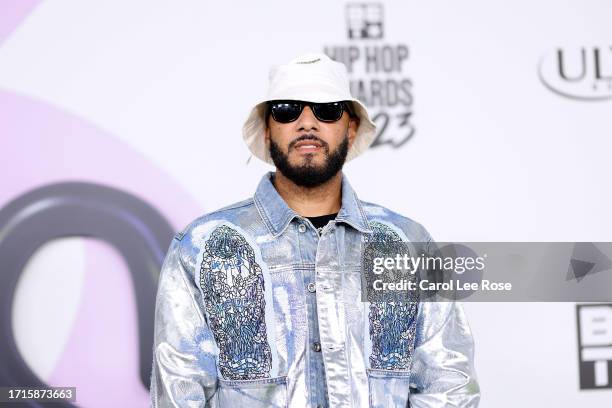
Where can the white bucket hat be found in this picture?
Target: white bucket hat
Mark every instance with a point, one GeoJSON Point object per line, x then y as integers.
{"type": "Point", "coordinates": [312, 78]}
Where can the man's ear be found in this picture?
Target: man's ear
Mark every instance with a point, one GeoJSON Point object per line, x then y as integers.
{"type": "Point", "coordinates": [353, 125]}
{"type": "Point", "coordinates": [266, 134]}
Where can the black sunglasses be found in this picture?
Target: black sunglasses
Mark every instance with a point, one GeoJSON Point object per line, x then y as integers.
{"type": "Point", "coordinates": [289, 111]}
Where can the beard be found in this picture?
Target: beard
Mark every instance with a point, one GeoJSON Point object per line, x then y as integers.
{"type": "Point", "coordinates": [310, 175]}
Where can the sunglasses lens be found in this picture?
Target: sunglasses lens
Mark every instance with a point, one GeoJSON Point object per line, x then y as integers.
{"type": "Point", "coordinates": [328, 112]}
{"type": "Point", "coordinates": [285, 112]}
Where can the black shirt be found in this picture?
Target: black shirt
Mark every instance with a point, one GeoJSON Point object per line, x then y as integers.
{"type": "Point", "coordinates": [322, 220]}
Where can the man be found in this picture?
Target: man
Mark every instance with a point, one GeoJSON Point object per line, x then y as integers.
{"type": "Point", "coordinates": [259, 303]}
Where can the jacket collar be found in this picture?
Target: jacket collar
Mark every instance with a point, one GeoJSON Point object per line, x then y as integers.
{"type": "Point", "coordinates": [277, 215]}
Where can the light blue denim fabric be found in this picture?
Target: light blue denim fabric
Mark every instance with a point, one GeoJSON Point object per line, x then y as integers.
{"type": "Point", "coordinates": [256, 309]}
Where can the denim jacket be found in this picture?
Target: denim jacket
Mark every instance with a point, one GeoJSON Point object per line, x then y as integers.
{"type": "Point", "coordinates": [256, 308]}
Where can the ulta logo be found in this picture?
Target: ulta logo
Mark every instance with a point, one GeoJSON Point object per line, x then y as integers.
{"type": "Point", "coordinates": [581, 73]}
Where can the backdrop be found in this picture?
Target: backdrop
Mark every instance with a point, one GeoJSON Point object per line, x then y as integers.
{"type": "Point", "coordinates": [120, 122]}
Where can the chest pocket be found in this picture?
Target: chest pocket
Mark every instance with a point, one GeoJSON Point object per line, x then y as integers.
{"type": "Point", "coordinates": [388, 389]}
{"type": "Point", "coordinates": [269, 392]}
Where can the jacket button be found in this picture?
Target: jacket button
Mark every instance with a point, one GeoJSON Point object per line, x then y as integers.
{"type": "Point", "coordinates": [302, 228]}
{"type": "Point", "coordinates": [312, 287]}
{"type": "Point", "coordinates": [316, 346]}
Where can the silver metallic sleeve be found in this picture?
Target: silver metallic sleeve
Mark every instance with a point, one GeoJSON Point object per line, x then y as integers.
{"type": "Point", "coordinates": [443, 369]}
{"type": "Point", "coordinates": [184, 370]}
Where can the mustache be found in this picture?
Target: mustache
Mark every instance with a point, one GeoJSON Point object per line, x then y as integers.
{"type": "Point", "coordinates": [308, 137]}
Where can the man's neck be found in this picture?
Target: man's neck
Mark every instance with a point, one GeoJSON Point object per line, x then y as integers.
{"type": "Point", "coordinates": [310, 202]}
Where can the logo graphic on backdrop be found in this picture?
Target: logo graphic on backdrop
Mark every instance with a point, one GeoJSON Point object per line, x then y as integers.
{"type": "Point", "coordinates": [135, 228]}
{"type": "Point", "coordinates": [595, 346]}
{"type": "Point", "coordinates": [110, 207]}
{"type": "Point", "coordinates": [377, 71]}
{"type": "Point", "coordinates": [364, 21]}
{"type": "Point", "coordinates": [580, 73]}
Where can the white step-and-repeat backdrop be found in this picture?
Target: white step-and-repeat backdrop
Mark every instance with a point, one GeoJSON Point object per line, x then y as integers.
{"type": "Point", "coordinates": [120, 122]}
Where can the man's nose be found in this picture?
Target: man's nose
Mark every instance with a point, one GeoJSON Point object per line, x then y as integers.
{"type": "Point", "coordinates": [307, 120]}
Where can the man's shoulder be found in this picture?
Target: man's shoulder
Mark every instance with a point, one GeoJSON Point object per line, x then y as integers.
{"type": "Point", "coordinates": [378, 214]}
{"type": "Point", "coordinates": [235, 213]}
{"type": "Point", "coordinates": [229, 221]}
